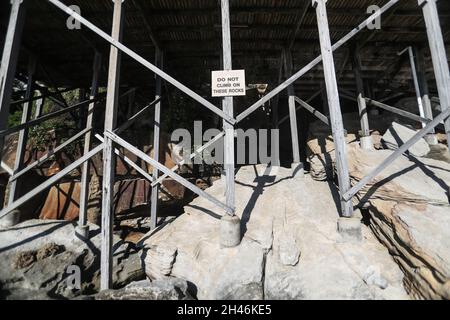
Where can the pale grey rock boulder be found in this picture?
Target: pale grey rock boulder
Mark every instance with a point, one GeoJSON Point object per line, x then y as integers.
{"type": "Point", "coordinates": [398, 134]}
{"type": "Point", "coordinates": [35, 257]}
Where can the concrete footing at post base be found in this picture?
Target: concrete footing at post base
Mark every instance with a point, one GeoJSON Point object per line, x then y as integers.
{"type": "Point", "coordinates": [349, 229]}
{"type": "Point", "coordinates": [230, 231]}
{"type": "Point", "coordinates": [366, 143]}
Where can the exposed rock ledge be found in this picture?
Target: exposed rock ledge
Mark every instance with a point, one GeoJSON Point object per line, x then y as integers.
{"type": "Point", "coordinates": [290, 248]}
{"type": "Point", "coordinates": [410, 211]}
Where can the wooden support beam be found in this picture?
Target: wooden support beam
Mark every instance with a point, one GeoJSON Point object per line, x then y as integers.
{"type": "Point", "coordinates": [314, 62]}
{"type": "Point", "coordinates": [197, 152]}
{"type": "Point", "coordinates": [365, 139]}
{"type": "Point", "coordinates": [156, 141]}
{"type": "Point", "coordinates": [39, 105]}
{"type": "Point", "coordinates": [85, 170]}
{"type": "Point", "coordinates": [334, 105]}
{"type": "Point", "coordinates": [141, 60]}
{"type": "Point", "coordinates": [15, 185]}
{"type": "Point", "coordinates": [288, 65]}
{"type": "Point", "coordinates": [424, 90]}
{"type": "Point", "coordinates": [276, 100]}
{"type": "Point", "coordinates": [227, 107]}
{"type": "Point", "coordinates": [311, 109]}
{"type": "Point", "coordinates": [389, 108]}
{"type": "Point", "coordinates": [167, 171]}
{"type": "Point", "coordinates": [438, 56]}
{"type": "Point", "coordinates": [412, 61]}
{"type": "Point", "coordinates": [109, 163]}
{"type": "Point", "coordinates": [9, 61]}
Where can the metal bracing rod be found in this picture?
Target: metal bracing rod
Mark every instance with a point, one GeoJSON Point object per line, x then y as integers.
{"type": "Point", "coordinates": [85, 170]}
{"type": "Point", "coordinates": [15, 185]}
{"type": "Point", "coordinates": [136, 116]}
{"type": "Point", "coordinates": [438, 56]}
{"type": "Point", "coordinates": [167, 171]}
{"type": "Point", "coordinates": [48, 155]}
{"type": "Point", "coordinates": [49, 182]}
{"type": "Point", "coordinates": [334, 105]}
{"type": "Point", "coordinates": [142, 61]}
{"type": "Point", "coordinates": [46, 117]}
{"type": "Point", "coordinates": [402, 149]}
{"type": "Point", "coordinates": [192, 155]}
{"type": "Point", "coordinates": [154, 197]}
{"type": "Point", "coordinates": [315, 62]}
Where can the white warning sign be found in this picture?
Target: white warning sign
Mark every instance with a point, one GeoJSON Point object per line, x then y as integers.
{"type": "Point", "coordinates": [228, 83]}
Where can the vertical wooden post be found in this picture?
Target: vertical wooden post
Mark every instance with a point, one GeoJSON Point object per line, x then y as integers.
{"type": "Point", "coordinates": [109, 163]}
{"type": "Point", "coordinates": [82, 114]}
{"type": "Point", "coordinates": [276, 100]}
{"type": "Point", "coordinates": [424, 92]}
{"type": "Point", "coordinates": [156, 141]}
{"type": "Point", "coordinates": [227, 106]}
{"type": "Point", "coordinates": [14, 188]}
{"type": "Point", "coordinates": [230, 224]}
{"type": "Point", "coordinates": [438, 55]}
{"type": "Point", "coordinates": [9, 60]}
{"type": "Point", "coordinates": [85, 174]}
{"type": "Point", "coordinates": [39, 104]}
{"type": "Point", "coordinates": [334, 105]}
{"type": "Point", "coordinates": [412, 62]}
{"type": "Point", "coordinates": [296, 166]}
{"type": "Point", "coordinates": [365, 139]}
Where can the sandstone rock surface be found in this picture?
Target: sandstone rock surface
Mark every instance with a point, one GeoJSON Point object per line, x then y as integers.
{"type": "Point", "coordinates": [398, 134]}
{"type": "Point", "coordinates": [410, 214]}
{"type": "Point", "coordinates": [290, 248]}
